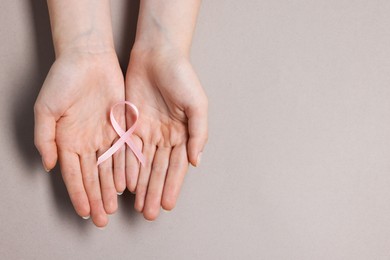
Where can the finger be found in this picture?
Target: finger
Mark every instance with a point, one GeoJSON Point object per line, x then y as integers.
{"type": "Point", "coordinates": [132, 165]}
{"type": "Point", "coordinates": [44, 137]}
{"type": "Point", "coordinates": [71, 174]}
{"type": "Point", "coordinates": [107, 186]}
{"type": "Point", "coordinates": [92, 187]}
{"type": "Point", "coordinates": [143, 178]}
{"type": "Point", "coordinates": [178, 166]}
{"type": "Point", "coordinates": [198, 131]}
{"type": "Point", "coordinates": [156, 183]}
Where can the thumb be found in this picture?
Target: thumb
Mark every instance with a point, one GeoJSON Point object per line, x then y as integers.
{"type": "Point", "coordinates": [198, 132]}
{"type": "Point", "coordinates": [44, 137]}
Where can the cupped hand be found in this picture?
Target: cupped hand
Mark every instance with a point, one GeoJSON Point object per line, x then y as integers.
{"type": "Point", "coordinates": [72, 124]}
{"type": "Point", "coordinates": [172, 127]}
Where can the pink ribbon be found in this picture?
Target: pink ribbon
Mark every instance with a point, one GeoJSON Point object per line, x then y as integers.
{"type": "Point", "coordinates": [125, 137]}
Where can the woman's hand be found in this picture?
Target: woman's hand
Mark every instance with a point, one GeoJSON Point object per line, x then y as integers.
{"type": "Point", "coordinates": [72, 124]}
{"type": "Point", "coordinates": [172, 127]}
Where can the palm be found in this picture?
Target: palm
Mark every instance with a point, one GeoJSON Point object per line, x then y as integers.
{"type": "Point", "coordinates": [161, 91]}
{"type": "Point", "coordinates": [83, 126]}
{"type": "Point", "coordinates": [161, 120]}
{"type": "Point", "coordinates": [78, 95]}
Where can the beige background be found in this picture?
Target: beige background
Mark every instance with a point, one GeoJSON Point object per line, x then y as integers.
{"type": "Point", "coordinates": [298, 162]}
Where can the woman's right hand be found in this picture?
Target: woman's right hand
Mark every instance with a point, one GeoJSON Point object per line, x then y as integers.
{"type": "Point", "coordinates": [72, 124]}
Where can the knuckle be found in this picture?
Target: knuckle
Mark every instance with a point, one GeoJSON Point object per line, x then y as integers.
{"type": "Point", "coordinates": [95, 202]}
{"type": "Point", "coordinates": [109, 192]}
{"type": "Point", "coordinates": [119, 168]}
{"type": "Point", "coordinates": [159, 167]}
{"type": "Point", "coordinates": [90, 180]}
{"type": "Point", "coordinates": [176, 163]}
{"type": "Point", "coordinates": [72, 175]}
{"type": "Point", "coordinates": [77, 196]}
{"type": "Point", "coordinates": [141, 190]}
{"type": "Point", "coordinates": [131, 168]}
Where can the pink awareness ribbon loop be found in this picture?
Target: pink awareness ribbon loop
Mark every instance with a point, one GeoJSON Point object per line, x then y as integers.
{"type": "Point", "coordinates": [125, 137]}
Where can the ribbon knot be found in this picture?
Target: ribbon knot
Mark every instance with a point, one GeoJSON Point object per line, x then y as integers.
{"type": "Point", "coordinates": [125, 137]}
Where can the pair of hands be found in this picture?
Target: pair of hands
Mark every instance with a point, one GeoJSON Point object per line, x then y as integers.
{"type": "Point", "coordinates": [72, 125]}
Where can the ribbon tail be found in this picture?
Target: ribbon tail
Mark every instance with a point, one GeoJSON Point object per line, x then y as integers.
{"type": "Point", "coordinates": [107, 154]}
{"type": "Point", "coordinates": [136, 151]}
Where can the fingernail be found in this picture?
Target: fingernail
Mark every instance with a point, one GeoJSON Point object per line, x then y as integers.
{"type": "Point", "coordinates": [101, 228]}
{"type": "Point", "coordinates": [165, 210]}
{"type": "Point", "coordinates": [199, 159]}
{"type": "Point", "coordinates": [119, 193]}
{"type": "Point", "coordinates": [87, 217]}
{"type": "Point", "coordinates": [44, 166]}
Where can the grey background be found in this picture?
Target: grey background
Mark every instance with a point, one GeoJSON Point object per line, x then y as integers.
{"type": "Point", "coordinates": [297, 166]}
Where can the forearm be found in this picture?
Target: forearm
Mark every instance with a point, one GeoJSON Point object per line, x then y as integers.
{"type": "Point", "coordinates": [166, 24]}
{"type": "Point", "coordinates": [81, 25]}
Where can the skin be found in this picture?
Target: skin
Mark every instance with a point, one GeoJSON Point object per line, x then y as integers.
{"type": "Point", "coordinates": [72, 109]}
{"type": "Point", "coordinates": [71, 118]}
{"type": "Point", "coordinates": [161, 81]}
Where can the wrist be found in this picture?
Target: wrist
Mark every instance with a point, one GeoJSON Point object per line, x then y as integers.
{"type": "Point", "coordinates": [159, 48]}
{"type": "Point", "coordinates": [82, 26]}
{"type": "Point", "coordinates": [83, 58]}
{"type": "Point", "coordinates": [160, 39]}
{"type": "Point", "coordinates": [166, 25]}
{"type": "Point", "coordinates": [150, 55]}
{"type": "Point", "coordinates": [83, 45]}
